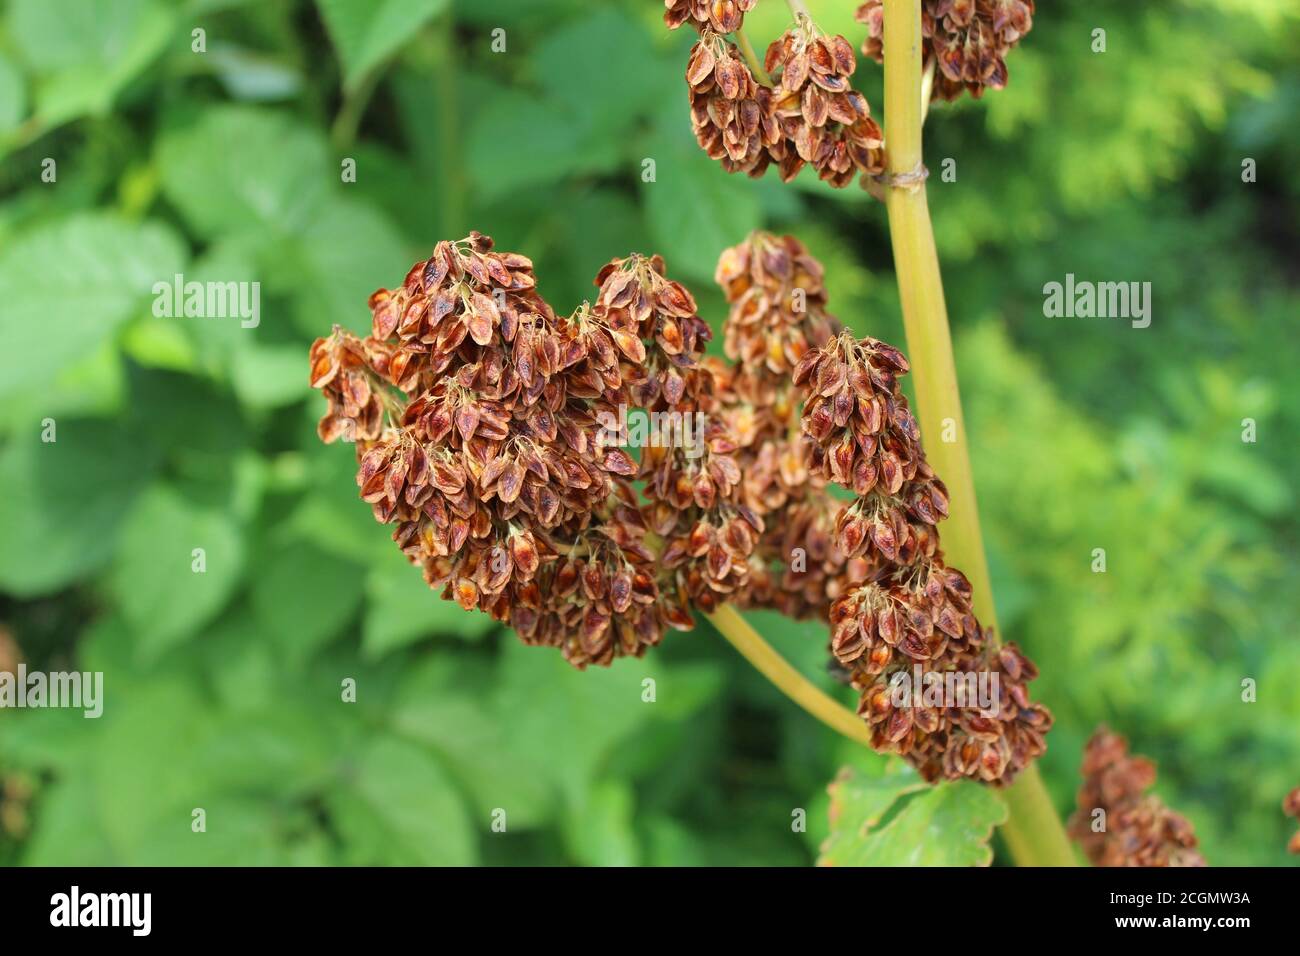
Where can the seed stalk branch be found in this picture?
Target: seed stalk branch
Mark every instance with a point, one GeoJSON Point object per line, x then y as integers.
{"type": "Point", "coordinates": [765, 659]}
{"type": "Point", "coordinates": [751, 57]}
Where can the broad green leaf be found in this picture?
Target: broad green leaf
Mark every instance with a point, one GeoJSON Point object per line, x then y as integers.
{"type": "Point", "coordinates": [558, 145]}
{"type": "Point", "coordinates": [366, 32]}
{"type": "Point", "coordinates": [401, 609]}
{"type": "Point", "coordinates": [192, 421]}
{"type": "Point", "coordinates": [600, 833]}
{"type": "Point", "coordinates": [606, 95]}
{"type": "Point", "coordinates": [217, 340]}
{"type": "Point", "coordinates": [238, 831]}
{"type": "Point", "coordinates": [154, 582]}
{"type": "Point", "coordinates": [899, 820]}
{"type": "Point", "coordinates": [92, 387]}
{"type": "Point", "coordinates": [159, 343]}
{"type": "Point", "coordinates": [441, 704]}
{"type": "Point", "coordinates": [63, 501]}
{"type": "Point", "coordinates": [250, 75]}
{"type": "Point", "coordinates": [263, 371]}
{"type": "Point", "coordinates": [574, 718]}
{"type": "Point", "coordinates": [67, 286]}
{"type": "Point", "coordinates": [165, 785]}
{"type": "Point", "coordinates": [241, 169]}
{"type": "Point", "coordinates": [86, 51]}
{"type": "Point", "coordinates": [269, 376]}
{"type": "Point", "coordinates": [346, 250]}
{"type": "Point", "coordinates": [13, 95]}
{"type": "Point", "coordinates": [591, 226]}
{"type": "Point", "coordinates": [78, 839]}
{"type": "Point", "coordinates": [303, 597]}
{"type": "Point", "coordinates": [694, 207]}
{"type": "Point", "coordinates": [397, 806]}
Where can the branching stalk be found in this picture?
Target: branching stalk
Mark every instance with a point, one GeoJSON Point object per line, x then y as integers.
{"type": "Point", "coordinates": [751, 57]}
{"type": "Point", "coordinates": [742, 636]}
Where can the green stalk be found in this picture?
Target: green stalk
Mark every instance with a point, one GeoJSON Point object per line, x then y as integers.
{"type": "Point", "coordinates": [768, 662]}
{"type": "Point", "coordinates": [1033, 833]}
{"type": "Point", "coordinates": [448, 116]}
{"type": "Point", "coordinates": [755, 64]}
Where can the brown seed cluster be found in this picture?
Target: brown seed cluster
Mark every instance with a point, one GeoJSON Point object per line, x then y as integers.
{"type": "Point", "coordinates": [1291, 807]}
{"type": "Point", "coordinates": [720, 16]}
{"type": "Point", "coordinates": [911, 613]}
{"type": "Point", "coordinates": [778, 300]}
{"type": "Point", "coordinates": [731, 114]}
{"type": "Point", "coordinates": [486, 428]}
{"type": "Point", "coordinates": [823, 120]}
{"type": "Point", "coordinates": [491, 435]}
{"type": "Point", "coordinates": [1139, 830]}
{"type": "Point", "coordinates": [809, 115]}
{"type": "Point", "coordinates": [967, 40]}
{"type": "Point", "coordinates": [777, 296]}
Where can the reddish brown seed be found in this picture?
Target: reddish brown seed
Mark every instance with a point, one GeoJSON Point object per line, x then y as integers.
{"type": "Point", "coordinates": [619, 462]}
{"type": "Point", "coordinates": [467, 419]}
{"type": "Point", "coordinates": [511, 483]}
{"type": "Point", "coordinates": [630, 345]}
{"type": "Point", "coordinates": [523, 552]}
{"type": "Point", "coordinates": [466, 593]}
{"type": "Point", "coordinates": [914, 646]}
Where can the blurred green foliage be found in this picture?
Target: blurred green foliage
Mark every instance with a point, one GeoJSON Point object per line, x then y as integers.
{"type": "Point", "coordinates": [224, 688]}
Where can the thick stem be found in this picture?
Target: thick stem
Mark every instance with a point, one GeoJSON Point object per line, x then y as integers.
{"type": "Point", "coordinates": [733, 626]}
{"type": "Point", "coordinates": [448, 116]}
{"type": "Point", "coordinates": [1033, 833]}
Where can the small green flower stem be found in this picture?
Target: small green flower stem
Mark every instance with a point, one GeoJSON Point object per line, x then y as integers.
{"type": "Point", "coordinates": [755, 64]}
{"type": "Point", "coordinates": [1033, 833]}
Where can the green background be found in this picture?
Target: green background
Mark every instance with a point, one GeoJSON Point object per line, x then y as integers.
{"type": "Point", "coordinates": [223, 688]}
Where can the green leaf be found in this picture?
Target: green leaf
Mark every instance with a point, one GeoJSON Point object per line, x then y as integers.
{"type": "Point", "coordinates": [269, 376]}
{"type": "Point", "coordinates": [366, 32]}
{"type": "Point", "coordinates": [244, 169]}
{"type": "Point", "coordinates": [600, 833]}
{"type": "Point", "coordinates": [162, 598]}
{"type": "Point", "coordinates": [87, 51]}
{"type": "Point", "coordinates": [401, 609]}
{"type": "Point", "coordinates": [238, 832]}
{"type": "Point", "coordinates": [79, 839]}
{"type": "Point", "coordinates": [63, 502]}
{"type": "Point", "coordinates": [346, 251]}
{"type": "Point", "coordinates": [303, 597]}
{"type": "Point", "coordinates": [695, 208]}
{"type": "Point", "coordinates": [574, 718]}
{"type": "Point", "coordinates": [605, 95]}
{"type": "Point", "coordinates": [440, 704]}
{"type": "Point", "coordinates": [559, 146]}
{"type": "Point", "coordinates": [67, 286]}
{"type": "Point", "coordinates": [398, 807]}
{"type": "Point", "coordinates": [899, 820]}
{"type": "Point", "coordinates": [13, 95]}
{"type": "Point", "coordinates": [191, 421]}
{"type": "Point", "coordinates": [248, 74]}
